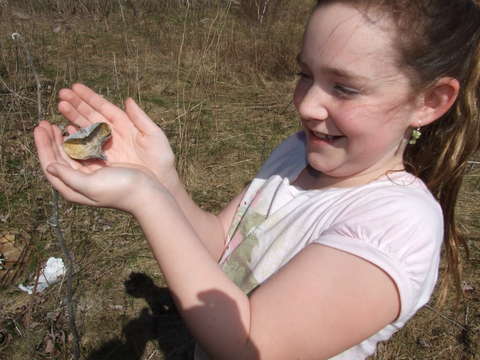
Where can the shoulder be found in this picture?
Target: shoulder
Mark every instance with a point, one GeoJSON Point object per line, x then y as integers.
{"type": "Point", "coordinates": [397, 227]}
{"type": "Point", "coordinates": [401, 199]}
{"type": "Point", "coordinates": [397, 215]}
{"type": "Point", "coordinates": [404, 220]}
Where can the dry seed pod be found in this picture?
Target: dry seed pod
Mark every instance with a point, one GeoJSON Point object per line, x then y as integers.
{"type": "Point", "coordinates": [87, 142]}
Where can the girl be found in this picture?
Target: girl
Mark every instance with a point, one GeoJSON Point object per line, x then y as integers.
{"type": "Point", "coordinates": [336, 242]}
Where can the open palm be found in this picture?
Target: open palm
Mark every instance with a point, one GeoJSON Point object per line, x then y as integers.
{"type": "Point", "coordinates": [136, 139]}
{"type": "Point", "coordinates": [116, 185]}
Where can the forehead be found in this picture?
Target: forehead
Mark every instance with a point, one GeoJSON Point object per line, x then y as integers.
{"type": "Point", "coordinates": [341, 36]}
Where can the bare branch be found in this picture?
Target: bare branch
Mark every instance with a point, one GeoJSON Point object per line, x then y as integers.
{"type": "Point", "coordinates": [54, 220]}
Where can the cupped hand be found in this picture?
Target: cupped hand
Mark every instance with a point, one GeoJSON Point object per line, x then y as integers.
{"type": "Point", "coordinates": [121, 186]}
{"type": "Point", "coordinates": [136, 139]}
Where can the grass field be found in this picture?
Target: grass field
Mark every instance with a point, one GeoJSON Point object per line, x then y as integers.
{"type": "Point", "coordinates": [217, 77]}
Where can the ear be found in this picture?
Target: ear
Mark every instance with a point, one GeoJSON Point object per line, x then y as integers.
{"type": "Point", "coordinates": [436, 101]}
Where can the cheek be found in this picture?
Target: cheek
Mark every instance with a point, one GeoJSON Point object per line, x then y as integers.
{"type": "Point", "coordinates": [355, 121]}
{"type": "Point", "coordinates": [367, 120]}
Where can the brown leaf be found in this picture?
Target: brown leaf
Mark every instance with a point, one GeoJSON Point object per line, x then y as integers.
{"type": "Point", "coordinates": [49, 346]}
{"type": "Point", "coordinates": [10, 250]}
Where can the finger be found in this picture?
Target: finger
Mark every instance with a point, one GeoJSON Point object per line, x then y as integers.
{"type": "Point", "coordinates": [46, 127]}
{"type": "Point", "coordinates": [58, 140]}
{"type": "Point", "coordinates": [81, 106]}
{"type": "Point", "coordinates": [74, 179]}
{"type": "Point", "coordinates": [48, 140]}
{"type": "Point", "coordinates": [141, 120]}
{"type": "Point", "coordinates": [70, 183]}
{"type": "Point", "coordinates": [94, 103]}
{"type": "Point", "coordinates": [44, 143]}
{"type": "Point", "coordinates": [72, 115]}
{"type": "Point", "coordinates": [71, 129]}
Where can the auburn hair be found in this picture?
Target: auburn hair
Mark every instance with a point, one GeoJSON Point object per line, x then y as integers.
{"type": "Point", "coordinates": [440, 38]}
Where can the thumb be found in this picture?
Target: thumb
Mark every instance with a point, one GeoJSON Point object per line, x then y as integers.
{"type": "Point", "coordinates": [141, 120]}
{"type": "Point", "coordinates": [74, 179]}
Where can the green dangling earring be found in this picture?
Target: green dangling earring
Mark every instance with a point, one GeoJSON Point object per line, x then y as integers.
{"type": "Point", "coordinates": [416, 134]}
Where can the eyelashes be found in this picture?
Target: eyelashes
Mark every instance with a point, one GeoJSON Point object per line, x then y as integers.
{"type": "Point", "coordinates": [302, 75]}
{"type": "Point", "coordinates": [345, 91]}
{"type": "Point", "coordinates": [338, 89]}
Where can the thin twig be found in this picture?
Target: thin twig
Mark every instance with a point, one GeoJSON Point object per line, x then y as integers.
{"type": "Point", "coordinates": [32, 300]}
{"type": "Point", "coordinates": [13, 92]}
{"type": "Point", "coordinates": [264, 10]}
{"type": "Point", "coordinates": [446, 318]}
{"type": "Point", "coordinates": [54, 223]}
{"type": "Point", "coordinates": [17, 36]}
{"type": "Point", "coordinates": [54, 220]}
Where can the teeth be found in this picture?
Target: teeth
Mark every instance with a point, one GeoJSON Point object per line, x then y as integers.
{"type": "Point", "coordinates": [324, 136]}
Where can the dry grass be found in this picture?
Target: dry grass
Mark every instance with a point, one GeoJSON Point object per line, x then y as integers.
{"type": "Point", "coordinates": [219, 83]}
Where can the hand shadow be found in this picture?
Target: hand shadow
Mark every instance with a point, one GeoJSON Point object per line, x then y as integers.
{"type": "Point", "coordinates": [164, 324]}
{"type": "Point", "coordinates": [160, 323]}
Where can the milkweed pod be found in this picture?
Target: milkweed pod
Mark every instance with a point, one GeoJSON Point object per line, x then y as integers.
{"type": "Point", "coordinates": [87, 142]}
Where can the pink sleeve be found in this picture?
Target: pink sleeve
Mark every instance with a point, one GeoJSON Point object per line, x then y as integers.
{"type": "Point", "coordinates": [402, 236]}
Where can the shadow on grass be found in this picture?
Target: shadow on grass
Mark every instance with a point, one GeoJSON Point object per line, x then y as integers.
{"type": "Point", "coordinates": [160, 323]}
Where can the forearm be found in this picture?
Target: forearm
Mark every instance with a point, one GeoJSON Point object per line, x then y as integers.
{"type": "Point", "coordinates": [214, 308]}
{"type": "Point", "coordinates": [207, 226]}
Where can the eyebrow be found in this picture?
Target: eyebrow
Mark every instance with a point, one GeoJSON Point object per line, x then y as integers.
{"type": "Point", "coordinates": [342, 73]}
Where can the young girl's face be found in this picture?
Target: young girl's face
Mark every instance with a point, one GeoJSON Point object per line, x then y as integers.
{"type": "Point", "coordinates": [355, 104]}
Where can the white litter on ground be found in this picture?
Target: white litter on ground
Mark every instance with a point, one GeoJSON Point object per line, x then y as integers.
{"type": "Point", "coordinates": [51, 273]}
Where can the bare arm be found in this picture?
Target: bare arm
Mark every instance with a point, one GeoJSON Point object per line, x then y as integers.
{"type": "Point", "coordinates": [211, 229]}
{"type": "Point", "coordinates": [321, 303]}
{"type": "Point", "coordinates": [137, 140]}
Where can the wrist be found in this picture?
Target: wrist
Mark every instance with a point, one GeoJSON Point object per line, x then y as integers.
{"type": "Point", "coordinates": [150, 197]}
{"type": "Point", "coordinates": [172, 182]}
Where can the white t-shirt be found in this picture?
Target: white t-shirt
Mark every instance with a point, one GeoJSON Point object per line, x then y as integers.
{"type": "Point", "coordinates": [393, 222]}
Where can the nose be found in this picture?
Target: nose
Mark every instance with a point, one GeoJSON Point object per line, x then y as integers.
{"type": "Point", "coordinates": [310, 101]}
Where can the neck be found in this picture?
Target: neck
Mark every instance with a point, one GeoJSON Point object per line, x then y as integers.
{"type": "Point", "coordinates": [311, 178]}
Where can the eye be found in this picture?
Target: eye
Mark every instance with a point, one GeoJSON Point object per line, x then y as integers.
{"type": "Point", "coordinates": [345, 91]}
{"type": "Point", "coordinates": [302, 74]}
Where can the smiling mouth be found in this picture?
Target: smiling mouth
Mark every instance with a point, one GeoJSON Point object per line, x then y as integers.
{"type": "Point", "coordinates": [326, 137]}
